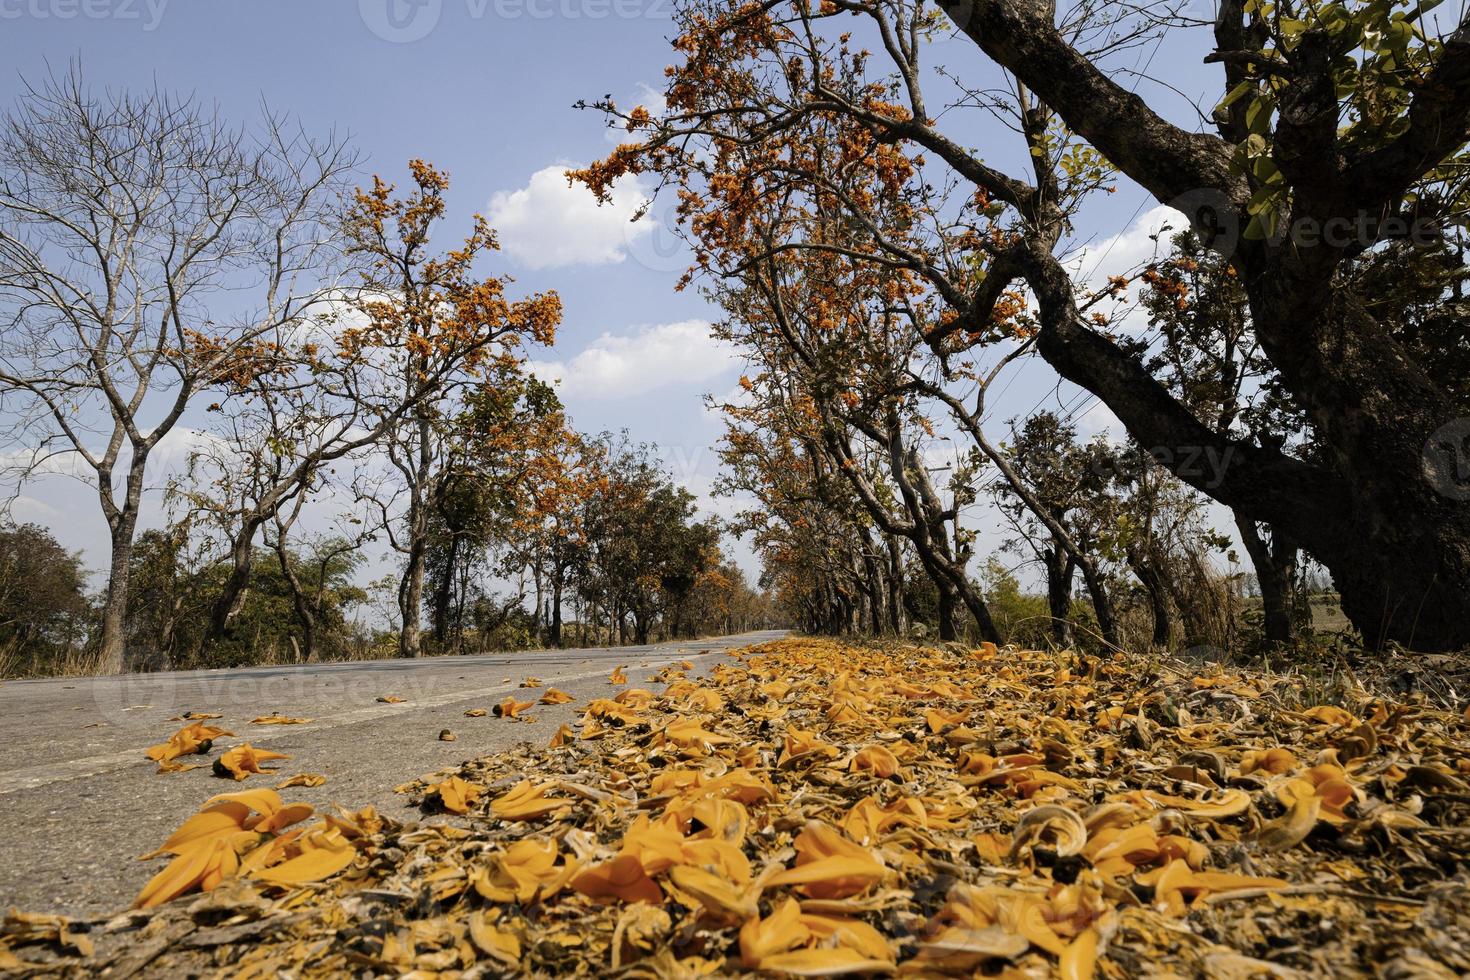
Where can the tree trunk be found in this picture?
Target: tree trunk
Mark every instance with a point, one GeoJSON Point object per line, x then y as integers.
{"type": "Point", "coordinates": [411, 601]}
{"type": "Point", "coordinates": [895, 585]}
{"type": "Point", "coordinates": [233, 594]}
{"type": "Point", "coordinates": [1158, 596]}
{"type": "Point", "coordinates": [556, 607]}
{"type": "Point", "coordinates": [948, 631]}
{"type": "Point", "coordinates": [304, 611]}
{"type": "Point", "coordinates": [1275, 563]}
{"type": "Point", "coordinates": [1060, 570]}
{"type": "Point", "coordinates": [444, 590]}
{"type": "Point", "coordinates": [122, 525]}
{"type": "Point", "coordinates": [112, 646]}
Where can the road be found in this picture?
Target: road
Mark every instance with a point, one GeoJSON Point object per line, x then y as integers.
{"type": "Point", "coordinates": [79, 802]}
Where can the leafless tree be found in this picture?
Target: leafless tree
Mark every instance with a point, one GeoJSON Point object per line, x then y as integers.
{"type": "Point", "coordinates": [148, 252]}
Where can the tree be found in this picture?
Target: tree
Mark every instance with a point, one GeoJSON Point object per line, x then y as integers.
{"type": "Point", "coordinates": [317, 577]}
{"type": "Point", "coordinates": [646, 552]}
{"type": "Point", "coordinates": [512, 501]}
{"type": "Point", "coordinates": [1335, 134]}
{"type": "Point", "coordinates": [147, 251]}
{"type": "Point", "coordinates": [1209, 358]}
{"type": "Point", "coordinates": [440, 331]}
{"type": "Point", "coordinates": [44, 612]}
{"type": "Point", "coordinates": [1052, 475]}
{"type": "Point", "coordinates": [835, 341]}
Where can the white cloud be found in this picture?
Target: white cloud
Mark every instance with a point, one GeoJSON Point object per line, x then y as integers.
{"type": "Point", "coordinates": [659, 356]}
{"type": "Point", "coordinates": [1126, 251]}
{"type": "Point", "coordinates": [649, 98]}
{"type": "Point", "coordinates": [548, 223]}
{"type": "Point", "coordinates": [1122, 255]}
{"type": "Point", "coordinates": [29, 509]}
{"type": "Point", "coordinates": [1099, 420]}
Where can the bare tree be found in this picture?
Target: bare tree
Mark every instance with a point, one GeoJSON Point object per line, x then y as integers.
{"type": "Point", "coordinates": [148, 251]}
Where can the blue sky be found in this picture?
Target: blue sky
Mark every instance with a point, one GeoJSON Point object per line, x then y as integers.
{"type": "Point", "coordinates": [485, 89]}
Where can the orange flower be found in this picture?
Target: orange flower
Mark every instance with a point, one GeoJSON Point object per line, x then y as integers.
{"type": "Point", "coordinates": [527, 802]}
{"type": "Point", "coordinates": [242, 760]}
{"type": "Point", "coordinates": [1275, 761]}
{"type": "Point", "coordinates": [524, 872]}
{"type": "Point", "coordinates": [457, 795]}
{"type": "Point", "coordinates": [802, 744]}
{"type": "Point", "coordinates": [829, 865]}
{"type": "Point", "coordinates": [511, 708]}
{"type": "Point", "coordinates": [622, 877]}
{"type": "Point", "coordinates": [189, 740]}
{"type": "Point", "coordinates": [875, 759]}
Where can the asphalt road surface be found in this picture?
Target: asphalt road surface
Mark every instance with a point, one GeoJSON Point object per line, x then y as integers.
{"type": "Point", "coordinates": [79, 802]}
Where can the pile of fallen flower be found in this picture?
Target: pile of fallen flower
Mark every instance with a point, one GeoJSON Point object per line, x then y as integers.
{"type": "Point", "coordinates": [814, 809]}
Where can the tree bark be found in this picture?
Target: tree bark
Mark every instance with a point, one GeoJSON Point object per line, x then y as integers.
{"type": "Point", "coordinates": [945, 612]}
{"type": "Point", "coordinates": [1382, 510]}
{"type": "Point", "coordinates": [112, 644]}
{"type": "Point", "coordinates": [1158, 596]}
{"type": "Point", "coordinates": [411, 600]}
{"type": "Point", "coordinates": [1275, 563]}
{"type": "Point", "coordinates": [1060, 569]}
{"type": "Point", "coordinates": [122, 526]}
{"type": "Point", "coordinates": [895, 585]}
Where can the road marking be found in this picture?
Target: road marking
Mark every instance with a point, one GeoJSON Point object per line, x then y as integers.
{"type": "Point", "coordinates": [38, 776]}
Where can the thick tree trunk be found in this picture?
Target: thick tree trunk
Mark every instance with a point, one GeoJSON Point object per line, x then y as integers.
{"type": "Point", "coordinates": [948, 630]}
{"type": "Point", "coordinates": [895, 585]}
{"type": "Point", "coordinates": [112, 644]}
{"type": "Point", "coordinates": [234, 591]}
{"type": "Point", "coordinates": [122, 526]}
{"type": "Point", "coordinates": [411, 602]}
